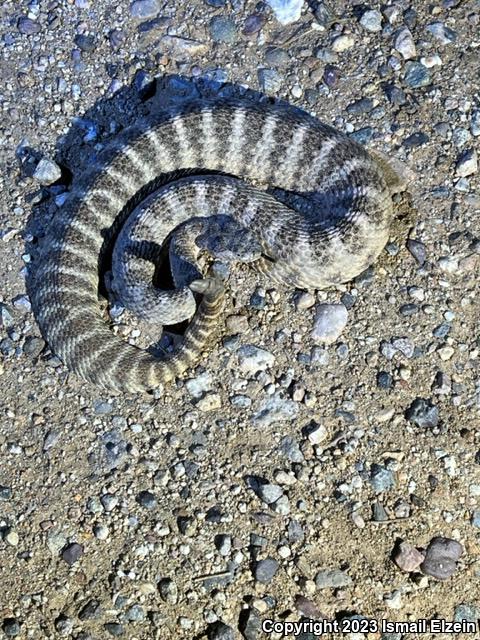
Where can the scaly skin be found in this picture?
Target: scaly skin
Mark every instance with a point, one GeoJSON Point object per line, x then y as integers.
{"type": "Point", "coordinates": [261, 145]}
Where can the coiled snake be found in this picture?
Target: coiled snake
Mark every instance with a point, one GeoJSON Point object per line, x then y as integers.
{"type": "Point", "coordinates": [257, 149]}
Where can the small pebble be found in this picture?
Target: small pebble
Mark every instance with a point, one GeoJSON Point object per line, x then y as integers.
{"type": "Point", "coordinates": [114, 629]}
{"type": "Point", "coordinates": [220, 631]}
{"type": "Point", "coordinates": [441, 557]}
{"type": "Point", "coordinates": [304, 300]}
{"type": "Point", "coordinates": [467, 163]}
{"type": "Point", "coordinates": [168, 590]}
{"type": "Point", "coordinates": [11, 538]}
{"type": "Point", "coordinates": [143, 9]}
{"type": "Point", "coordinates": [84, 42]}
{"type": "Point", "coordinates": [146, 499]}
{"type": "Point", "coordinates": [405, 44]}
{"type": "Point", "coordinates": [27, 26]}
{"type": "Point", "coordinates": [407, 558]}
{"type": "Point", "coordinates": [332, 579]}
{"type": "Point", "coordinates": [441, 32]}
{"type": "Point", "coordinates": [265, 570]}
{"type": "Point", "coordinates": [343, 43]}
{"type": "Point", "coordinates": [330, 321]}
{"type": "Point", "coordinates": [418, 250]}
{"type": "Point", "coordinates": [72, 553]}
{"type": "Point", "coordinates": [423, 413]}
{"type": "Point", "coordinates": [371, 20]}
{"type": "Point", "coordinates": [222, 29]}
{"type": "Point", "coordinates": [381, 478]}
{"type": "Point", "coordinates": [286, 11]}
{"type": "Point", "coordinates": [270, 80]}
{"type": "Point", "coordinates": [47, 172]}
{"type": "Point", "coordinates": [11, 627]}
{"type": "Point", "coordinates": [252, 359]}
{"type": "Point", "coordinates": [416, 75]}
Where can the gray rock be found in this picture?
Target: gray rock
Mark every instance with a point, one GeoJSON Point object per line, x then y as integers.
{"type": "Point", "coordinates": [220, 631]}
{"type": "Point", "coordinates": [416, 75]}
{"type": "Point", "coordinates": [467, 611]}
{"type": "Point", "coordinates": [168, 590]}
{"type": "Point", "coordinates": [250, 625]}
{"type": "Point", "coordinates": [146, 499]}
{"type": "Point", "coordinates": [199, 385]}
{"type": "Point", "coordinates": [6, 316]}
{"type": "Point", "coordinates": [222, 29]}
{"type": "Point", "coordinates": [378, 512]}
{"type": "Point", "coordinates": [316, 433]}
{"type": "Point", "coordinates": [27, 26]}
{"type": "Point", "coordinates": [114, 629]}
{"type": "Point", "coordinates": [5, 492]}
{"type": "Point", "coordinates": [371, 20]}
{"type": "Point", "coordinates": [277, 57]}
{"type": "Point", "coordinates": [33, 346]}
{"type": "Point", "coordinates": [332, 579]}
{"type": "Point", "coordinates": [476, 518]}
{"type": "Point", "coordinates": [330, 321]}
{"type": "Point", "coordinates": [295, 532]}
{"type": "Point", "coordinates": [101, 531]}
{"type": "Point", "coordinates": [423, 413]}
{"type": "Point", "coordinates": [252, 359]}
{"type": "Point", "coordinates": [405, 44]}
{"type": "Point", "coordinates": [324, 14]}
{"type": "Point", "coordinates": [102, 408]}
{"type": "Point", "coordinates": [109, 501]}
{"type": "Point", "coordinates": [364, 105]}
{"type": "Point", "coordinates": [47, 172]}
{"type": "Point", "coordinates": [72, 553]}
{"type": "Point", "coordinates": [281, 506]}
{"type": "Point", "coordinates": [290, 448]}
{"type": "Point", "coordinates": [441, 557]}
{"type": "Point", "coordinates": [418, 250]}
{"type": "Point", "coordinates": [269, 493]}
{"type": "Point", "coordinates": [270, 81]}
{"type": "Point", "coordinates": [363, 136]}
{"type": "Point", "coordinates": [223, 542]}
{"type": "Point", "coordinates": [275, 409]}
{"type": "Point", "coordinates": [240, 401]}
{"type": "Point", "coordinates": [136, 613]}
{"type": "Point", "coordinates": [143, 9]}
{"type": "Point", "coordinates": [90, 611]}
{"type": "Point", "coordinates": [84, 42]}
{"type": "Point", "coordinates": [22, 303]}
{"type": "Point", "coordinates": [441, 32]}
{"type": "Point", "coordinates": [467, 163]}
{"type": "Point", "coordinates": [475, 123]}
{"type": "Point", "coordinates": [51, 438]}
{"type": "Point", "coordinates": [253, 24]}
{"type": "Point", "coordinates": [307, 608]}
{"type": "Point", "coordinates": [404, 345]}
{"type": "Point", "coordinates": [10, 627]}
{"type": "Point", "coordinates": [330, 76]}
{"type": "Point", "coordinates": [286, 11]}
{"type": "Point", "coordinates": [381, 478]}
{"type": "Point", "coordinates": [64, 625]}
{"type": "Point", "coordinates": [265, 570]}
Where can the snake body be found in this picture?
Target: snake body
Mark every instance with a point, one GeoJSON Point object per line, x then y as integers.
{"type": "Point", "coordinates": [266, 148]}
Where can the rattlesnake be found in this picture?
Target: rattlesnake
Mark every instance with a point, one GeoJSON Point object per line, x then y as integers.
{"type": "Point", "coordinates": [267, 148]}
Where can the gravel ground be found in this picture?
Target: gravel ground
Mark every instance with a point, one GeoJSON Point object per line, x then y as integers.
{"type": "Point", "coordinates": [323, 462]}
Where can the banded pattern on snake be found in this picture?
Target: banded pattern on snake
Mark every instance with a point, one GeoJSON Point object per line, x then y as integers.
{"type": "Point", "coordinates": [264, 147]}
